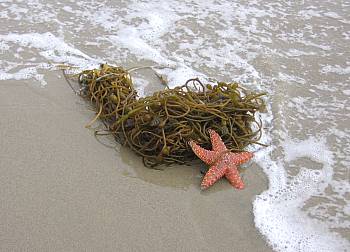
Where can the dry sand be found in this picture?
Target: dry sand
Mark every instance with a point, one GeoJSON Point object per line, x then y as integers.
{"type": "Point", "coordinates": [62, 190]}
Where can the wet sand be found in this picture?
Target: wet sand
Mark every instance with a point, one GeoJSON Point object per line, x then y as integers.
{"type": "Point", "coordinates": [62, 190]}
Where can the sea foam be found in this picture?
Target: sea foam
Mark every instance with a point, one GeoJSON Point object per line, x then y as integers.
{"type": "Point", "coordinates": [289, 49]}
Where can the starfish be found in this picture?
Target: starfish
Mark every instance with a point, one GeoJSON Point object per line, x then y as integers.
{"type": "Point", "coordinates": [222, 162]}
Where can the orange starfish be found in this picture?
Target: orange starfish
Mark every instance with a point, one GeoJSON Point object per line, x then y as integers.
{"type": "Point", "coordinates": [222, 162]}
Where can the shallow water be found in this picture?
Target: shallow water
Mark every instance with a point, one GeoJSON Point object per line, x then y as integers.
{"type": "Point", "coordinates": [297, 51]}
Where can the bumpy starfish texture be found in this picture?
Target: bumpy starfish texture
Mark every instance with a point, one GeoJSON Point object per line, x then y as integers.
{"type": "Point", "coordinates": [222, 162]}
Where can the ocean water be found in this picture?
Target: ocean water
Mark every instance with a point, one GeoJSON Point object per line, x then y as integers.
{"type": "Point", "coordinates": [298, 51]}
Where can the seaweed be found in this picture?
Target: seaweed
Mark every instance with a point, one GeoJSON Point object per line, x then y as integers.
{"type": "Point", "coordinates": [159, 127]}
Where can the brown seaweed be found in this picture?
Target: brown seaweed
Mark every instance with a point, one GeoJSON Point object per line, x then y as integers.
{"type": "Point", "coordinates": [158, 127]}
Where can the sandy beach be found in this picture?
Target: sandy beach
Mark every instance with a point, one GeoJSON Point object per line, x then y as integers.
{"type": "Point", "coordinates": [62, 190]}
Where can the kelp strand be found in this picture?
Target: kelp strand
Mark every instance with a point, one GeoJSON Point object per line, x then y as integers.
{"type": "Point", "coordinates": [158, 127]}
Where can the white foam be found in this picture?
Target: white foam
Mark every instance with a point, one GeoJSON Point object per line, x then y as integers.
{"type": "Point", "coordinates": [180, 74]}
{"type": "Point", "coordinates": [51, 44]}
{"type": "Point", "coordinates": [336, 69]}
{"type": "Point", "coordinates": [138, 46]}
{"type": "Point", "coordinates": [140, 85]}
{"type": "Point", "coordinates": [291, 78]}
{"type": "Point", "coordinates": [68, 9]}
{"type": "Point", "coordinates": [24, 74]}
{"type": "Point", "coordinates": [251, 43]}
{"type": "Point", "coordinates": [278, 211]}
{"type": "Point", "coordinates": [332, 14]}
{"type": "Point", "coordinates": [52, 49]}
{"type": "Point", "coordinates": [308, 14]}
{"type": "Point", "coordinates": [3, 47]}
{"type": "Point", "coordinates": [346, 91]}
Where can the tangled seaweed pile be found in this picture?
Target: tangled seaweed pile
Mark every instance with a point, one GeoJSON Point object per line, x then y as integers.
{"type": "Point", "coordinates": [158, 127]}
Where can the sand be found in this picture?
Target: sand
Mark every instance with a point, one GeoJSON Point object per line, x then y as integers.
{"type": "Point", "coordinates": [62, 190]}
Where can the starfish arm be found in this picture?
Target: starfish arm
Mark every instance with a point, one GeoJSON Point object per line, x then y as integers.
{"type": "Point", "coordinates": [214, 174]}
{"type": "Point", "coordinates": [232, 175]}
{"type": "Point", "coordinates": [216, 142]}
{"type": "Point", "coordinates": [205, 155]}
{"type": "Point", "coordinates": [241, 157]}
